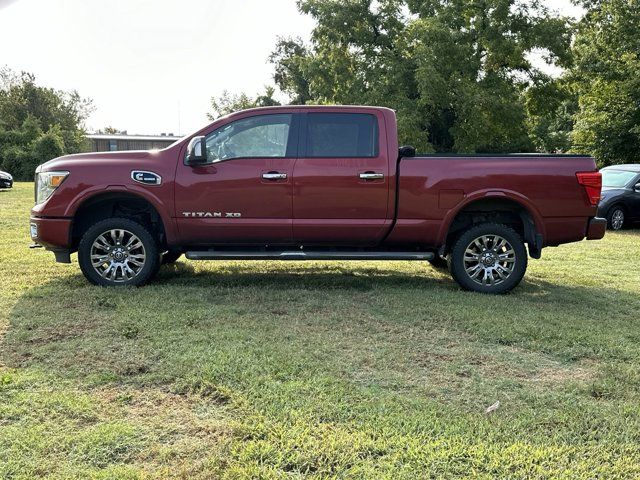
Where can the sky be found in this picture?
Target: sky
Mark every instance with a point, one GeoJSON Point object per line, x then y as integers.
{"type": "Point", "coordinates": [152, 66]}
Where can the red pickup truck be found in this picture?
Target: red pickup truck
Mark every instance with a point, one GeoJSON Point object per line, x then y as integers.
{"type": "Point", "coordinates": [311, 183]}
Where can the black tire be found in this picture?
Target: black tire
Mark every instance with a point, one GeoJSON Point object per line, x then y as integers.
{"type": "Point", "coordinates": [144, 270]}
{"type": "Point", "coordinates": [514, 259]}
{"type": "Point", "coordinates": [439, 263]}
{"type": "Point", "coordinates": [616, 218]}
{"type": "Point", "coordinates": [170, 257]}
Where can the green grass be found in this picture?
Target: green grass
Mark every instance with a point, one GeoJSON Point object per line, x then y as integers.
{"type": "Point", "coordinates": [344, 370]}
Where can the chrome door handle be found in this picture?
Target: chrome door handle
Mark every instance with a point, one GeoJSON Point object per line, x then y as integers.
{"type": "Point", "coordinates": [371, 176]}
{"type": "Point", "coordinates": [274, 176]}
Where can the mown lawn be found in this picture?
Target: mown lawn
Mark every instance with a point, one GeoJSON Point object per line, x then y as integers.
{"type": "Point", "coordinates": [345, 370]}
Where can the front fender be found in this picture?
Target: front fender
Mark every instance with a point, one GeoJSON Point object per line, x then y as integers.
{"type": "Point", "coordinates": [146, 193]}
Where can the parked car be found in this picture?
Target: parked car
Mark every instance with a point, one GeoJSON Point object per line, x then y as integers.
{"type": "Point", "coordinates": [620, 201]}
{"type": "Point", "coordinates": [312, 183]}
{"type": "Point", "coordinates": [6, 180]}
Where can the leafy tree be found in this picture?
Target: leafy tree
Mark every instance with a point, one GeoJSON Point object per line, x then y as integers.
{"type": "Point", "coordinates": [550, 111]}
{"type": "Point", "coordinates": [605, 75]}
{"type": "Point", "coordinates": [37, 122]}
{"type": "Point", "coordinates": [289, 60]}
{"type": "Point", "coordinates": [456, 71]}
{"type": "Point", "coordinates": [228, 103]}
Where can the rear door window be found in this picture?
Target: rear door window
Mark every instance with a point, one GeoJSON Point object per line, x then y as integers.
{"type": "Point", "coordinates": [341, 135]}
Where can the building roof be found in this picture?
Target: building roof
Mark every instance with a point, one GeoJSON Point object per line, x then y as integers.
{"type": "Point", "coordinates": [148, 138]}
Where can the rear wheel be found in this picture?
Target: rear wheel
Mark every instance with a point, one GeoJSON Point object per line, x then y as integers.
{"type": "Point", "coordinates": [118, 251]}
{"type": "Point", "coordinates": [488, 258]}
{"type": "Point", "coordinates": [616, 218]}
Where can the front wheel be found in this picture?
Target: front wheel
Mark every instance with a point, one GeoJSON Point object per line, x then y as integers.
{"type": "Point", "coordinates": [118, 251]}
{"type": "Point", "coordinates": [488, 258]}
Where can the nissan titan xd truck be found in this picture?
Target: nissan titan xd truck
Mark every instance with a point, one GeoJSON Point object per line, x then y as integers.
{"type": "Point", "coordinates": [312, 183]}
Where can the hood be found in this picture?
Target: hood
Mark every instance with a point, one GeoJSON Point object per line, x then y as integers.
{"type": "Point", "coordinates": [611, 192]}
{"type": "Point", "coordinates": [95, 158]}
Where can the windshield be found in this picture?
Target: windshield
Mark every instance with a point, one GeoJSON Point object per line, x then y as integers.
{"type": "Point", "coordinates": [616, 178]}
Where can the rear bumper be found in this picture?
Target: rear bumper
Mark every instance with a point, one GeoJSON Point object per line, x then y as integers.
{"type": "Point", "coordinates": [596, 228]}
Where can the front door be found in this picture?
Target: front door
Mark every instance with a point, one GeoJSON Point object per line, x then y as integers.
{"type": "Point", "coordinates": [341, 180]}
{"type": "Point", "coordinates": [243, 194]}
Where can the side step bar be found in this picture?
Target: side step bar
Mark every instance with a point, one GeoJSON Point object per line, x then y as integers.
{"type": "Point", "coordinates": [305, 255]}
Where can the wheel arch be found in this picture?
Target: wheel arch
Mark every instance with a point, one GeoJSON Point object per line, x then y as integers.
{"type": "Point", "coordinates": [618, 204]}
{"type": "Point", "coordinates": [117, 203]}
{"type": "Point", "coordinates": [505, 207]}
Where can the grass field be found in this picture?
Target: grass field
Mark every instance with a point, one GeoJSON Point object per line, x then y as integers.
{"type": "Point", "coordinates": [345, 370]}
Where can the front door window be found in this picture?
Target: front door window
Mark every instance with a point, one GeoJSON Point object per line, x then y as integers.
{"type": "Point", "coordinates": [264, 136]}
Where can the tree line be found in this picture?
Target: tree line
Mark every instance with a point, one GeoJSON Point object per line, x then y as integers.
{"type": "Point", "coordinates": [37, 123]}
{"type": "Point", "coordinates": [466, 75]}
{"type": "Point", "coordinates": [463, 75]}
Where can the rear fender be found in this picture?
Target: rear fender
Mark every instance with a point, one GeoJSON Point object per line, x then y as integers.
{"type": "Point", "coordinates": [534, 233]}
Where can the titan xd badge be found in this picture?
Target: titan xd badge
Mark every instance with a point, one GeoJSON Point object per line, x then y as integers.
{"type": "Point", "coordinates": [212, 214]}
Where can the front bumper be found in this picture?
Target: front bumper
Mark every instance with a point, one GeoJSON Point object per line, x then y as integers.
{"type": "Point", "coordinates": [596, 228]}
{"type": "Point", "coordinates": [52, 233]}
{"type": "Point", "coordinates": [4, 183]}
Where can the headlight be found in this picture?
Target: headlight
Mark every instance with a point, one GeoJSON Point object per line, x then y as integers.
{"type": "Point", "coordinates": [46, 184]}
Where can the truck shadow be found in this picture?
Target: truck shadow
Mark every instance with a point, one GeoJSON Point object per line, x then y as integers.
{"type": "Point", "coordinates": [68, 327]}
{"type": "Point", "coordinates": [288, 275]}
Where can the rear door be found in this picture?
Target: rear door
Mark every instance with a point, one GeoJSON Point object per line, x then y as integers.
{"type": "Point", "coordinates": [341, 179]}
{"type": "Point", "coordinates": [243, 195]}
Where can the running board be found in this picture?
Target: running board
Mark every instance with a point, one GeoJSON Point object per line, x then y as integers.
{"type": "Point", "coordinates": [305, 255]}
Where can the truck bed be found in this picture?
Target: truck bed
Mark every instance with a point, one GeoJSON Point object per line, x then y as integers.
{"type": "Point", "coordinates": [432, 188]}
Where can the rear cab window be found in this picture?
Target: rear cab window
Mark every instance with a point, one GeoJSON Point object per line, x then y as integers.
{"type": "Point", "coordinates": [341, 135]}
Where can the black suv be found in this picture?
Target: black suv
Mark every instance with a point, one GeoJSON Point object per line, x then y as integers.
{"type": "Point", "coordinates": [6, 180]}
{"type": "Point", "coordinates": [620, 202]}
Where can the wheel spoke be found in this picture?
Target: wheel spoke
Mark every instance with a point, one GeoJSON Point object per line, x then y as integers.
{"type": "Point", "coordinates": [473, 270]}
{"type": "Point", "coordinates": [499, 272]}
{"type": "Point", "coordinates": [136, 245]}
{"type": "Point", "coordinates": [98, 260]}
{"type": "Point", "coordinates": [102, 242]}
{"type": "Point", "coordinates": [106, 273]}
{"type": "Point", "coordinates": [508, 256]}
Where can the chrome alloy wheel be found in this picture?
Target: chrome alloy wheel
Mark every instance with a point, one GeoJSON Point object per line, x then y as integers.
{"type": "Point", "coordinates": [118, 255]}
{"type": "Point", "coordinates": [489, 260]}
{"type": "Point", "coordinates": [617, 219]}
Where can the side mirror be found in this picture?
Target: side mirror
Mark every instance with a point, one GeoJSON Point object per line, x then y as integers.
{"type": "Point", "coordinates": [637, 187]}
{"type": "Point", "coordinates": [407, 151]}
{"type": "Point", "coordinates": [196, 151]}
